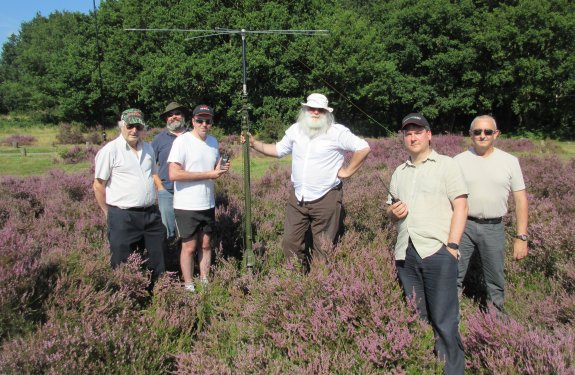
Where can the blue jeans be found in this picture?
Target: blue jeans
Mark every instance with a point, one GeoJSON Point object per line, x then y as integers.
{"type": "Point", "coordinates": [433, 280]}
{"type": "Point", "coordinates": [489, 241]}
{"type": "Point", "coordinates": [166, 204]}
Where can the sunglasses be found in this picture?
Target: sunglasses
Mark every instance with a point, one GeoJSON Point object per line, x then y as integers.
{"type": "Point", "coordinates": [203, 121]}
{"type": "Point", "coordinates": [140, 127]}
{"type": "Point", "coordinates": [477, 132]}
{"type": "Point", "coordinates": [174, 113]}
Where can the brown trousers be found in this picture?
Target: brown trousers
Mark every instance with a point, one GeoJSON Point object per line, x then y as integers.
{"type": "Point", "coordinates": [322, 217]}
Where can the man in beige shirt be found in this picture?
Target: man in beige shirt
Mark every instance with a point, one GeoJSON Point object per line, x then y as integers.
{"type": "Point", "coordinates": [430, 213]}
{"type": "Point", "coordinates": [491, 175]}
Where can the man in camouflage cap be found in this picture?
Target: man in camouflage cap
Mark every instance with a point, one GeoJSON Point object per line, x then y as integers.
{"type": "Point", "coordinates": [124, 188]}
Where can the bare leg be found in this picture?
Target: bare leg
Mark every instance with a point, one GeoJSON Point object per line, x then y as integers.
{"type": "Point", "coordinates": [205, 257]}
{"type": "Point", "coordinates": [187, 259]}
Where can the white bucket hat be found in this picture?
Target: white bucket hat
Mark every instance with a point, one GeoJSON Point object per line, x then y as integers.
{"type": "Point", "coordinates": [317, 101]}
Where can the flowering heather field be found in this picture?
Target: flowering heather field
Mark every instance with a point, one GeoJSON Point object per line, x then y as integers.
{"type": "Point", "coordinates": [64, 311]}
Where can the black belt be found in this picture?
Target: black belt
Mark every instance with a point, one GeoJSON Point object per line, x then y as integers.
{"type": "Point", "coordinates": [495, 220]}
{"type": "Point", "coordinates": [135, 209]}
{"type": "Point", "coordinates": [336, 187]}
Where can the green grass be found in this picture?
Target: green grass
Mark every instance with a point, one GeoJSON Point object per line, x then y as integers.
{"type": "Point", "coordinates": [258, 165]}
{"type": "Point", "coordinates": [568, 148]}
{"type": "Point", "coordinates": [34, 164]}
{"type": "Point", "coordinates": [36, 159]}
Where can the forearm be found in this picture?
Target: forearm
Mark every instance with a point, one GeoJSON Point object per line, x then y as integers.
{"type": "Point", "coordinates": [458, 220]}
{"type": "Point", "coordinates": [182, 175]}
{"type": "Point", "coordinates": [356, 161]}
{"type": "Point", "coordinates": [158, 182]}
{"type": "Point", "coordinates": [100, 195]}
{"type": "Point", "coordinates": [265, 148]}
{"type": "Point", "coordinates": [521, 209]}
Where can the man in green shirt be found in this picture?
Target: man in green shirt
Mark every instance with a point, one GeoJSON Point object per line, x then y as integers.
{"type": "Point", "coordinates": [430, 215]}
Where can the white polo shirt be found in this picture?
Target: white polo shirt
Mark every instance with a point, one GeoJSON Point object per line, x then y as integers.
{"type": "Point", "coordinates": [129, 181]}
{"type": "Point", "coordinates": [316, 161]}
{"type": "Point", "coordinates": [194, 155]}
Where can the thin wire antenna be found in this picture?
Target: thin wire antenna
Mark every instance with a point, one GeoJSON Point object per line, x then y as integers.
{"type": "Point", "coordinates": [245, 128]}
{"type": "Point", "coordinates": [345, 97]}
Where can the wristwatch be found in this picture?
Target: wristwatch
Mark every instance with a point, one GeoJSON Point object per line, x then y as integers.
{"type": "Point", "coordinates": [453, 245]}
{"type": "Point", "coordinates": [522, 237]}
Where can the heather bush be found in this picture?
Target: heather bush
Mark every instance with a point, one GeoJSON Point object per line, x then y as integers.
{"type": "Point", "coordinates": [505, 346]}
{"type": "Point", "coordinates": [64, 310]}
{"type": "Point", "coordinates": [77, 154]}
{"type": "Point", "coordinates": [70, 133]}
{"type": "Point", "coordinates": [20, 140]}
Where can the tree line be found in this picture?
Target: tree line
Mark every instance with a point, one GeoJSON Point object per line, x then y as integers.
{"type": "Point", "coordinates": [450, 60]}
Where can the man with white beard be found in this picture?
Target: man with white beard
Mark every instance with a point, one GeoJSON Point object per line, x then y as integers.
{"type": "Point", "coordinates": [175, 116]}
{"type": "Point", "coordinates": [318, 145]}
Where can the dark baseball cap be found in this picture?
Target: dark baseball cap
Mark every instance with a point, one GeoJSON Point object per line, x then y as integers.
{"type": "Point", "coordinates": [203, 109]}
{"type": "Point", "coordinates": [415, 119]}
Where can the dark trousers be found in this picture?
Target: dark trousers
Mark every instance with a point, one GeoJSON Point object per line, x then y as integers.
{"type": "Point", "coordinates": [130, 231]}
{"type": "Point", "coordinates": [433, 283]}
{"type": "Point", "coordinates": [322, 217]}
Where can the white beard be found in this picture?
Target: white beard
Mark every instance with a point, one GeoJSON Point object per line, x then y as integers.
{"type": "Point", "coordinates": [176, 126]}
{"type": "Point", "coordinates": [313, 126]}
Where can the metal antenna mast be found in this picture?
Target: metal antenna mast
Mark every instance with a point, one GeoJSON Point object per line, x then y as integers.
{"type": "Point", "coordinates": [249, 259]}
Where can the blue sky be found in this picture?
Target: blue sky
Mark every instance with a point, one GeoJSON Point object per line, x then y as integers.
{"type": "Point", "coordinates": [14, 12]}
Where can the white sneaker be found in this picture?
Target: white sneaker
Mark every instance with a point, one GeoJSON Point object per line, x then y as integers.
{"type": "Point", "coordinates": [204, 281]}
{"type": "Point", "coordinates": [190, 287]}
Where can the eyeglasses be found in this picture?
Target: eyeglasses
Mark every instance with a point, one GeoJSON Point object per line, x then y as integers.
{"type": "Point", "coordinates": [140, 127]}
{"type": "Point", "coordinates": [203, 121]}
{"type": "Point", "coordinates": [175, 113]}
{"type": "Point", "coordinates": [487, 132]}
{"type": "Point", "coordinates": [314, 109]}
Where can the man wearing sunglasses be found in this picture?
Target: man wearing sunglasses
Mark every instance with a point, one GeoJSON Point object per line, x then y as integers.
{"type": "Point", "coordinates": [175, 116]}
{"type": "Point", "coordinates": [317, 145]}
{"type": "Point", "coordinates": [194, 165]}
{"type": "Point", "coordinates": [430, 218]}
{"type": "Point", "coordinates": [124, 181]}
{"type": "Point", "coordinates": [491, 174]}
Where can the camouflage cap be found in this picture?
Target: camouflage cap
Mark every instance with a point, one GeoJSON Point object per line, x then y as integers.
{"type": "Point", "coordinates": [133, 116]}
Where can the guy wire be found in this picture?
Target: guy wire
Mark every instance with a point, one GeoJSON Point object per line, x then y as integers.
{"type": "Point", "coordinates": [343, 95]}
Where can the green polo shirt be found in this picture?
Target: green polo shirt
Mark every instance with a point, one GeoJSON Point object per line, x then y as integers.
{"type": "Point", "coordinates": [427, 190]}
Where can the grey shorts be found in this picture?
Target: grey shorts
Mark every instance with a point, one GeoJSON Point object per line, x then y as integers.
{"type": "Point", "coordinates": [188, 222]}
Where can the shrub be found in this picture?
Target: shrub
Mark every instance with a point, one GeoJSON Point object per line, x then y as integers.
{"type": "Point", "coordinates": [20, 140]}
{"type": "Point", "coordinates": [77, 154]}
{"type": "Point", "coordinates": [70, 133]}
{"type": "Point", "coordinates": [64, 310]}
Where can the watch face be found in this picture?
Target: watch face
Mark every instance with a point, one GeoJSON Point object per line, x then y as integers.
{"type": "Point", "coordinates": [522, 237]}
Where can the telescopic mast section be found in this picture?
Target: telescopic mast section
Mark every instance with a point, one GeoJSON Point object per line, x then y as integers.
{"type": "Point", "coordinates": [249, 259]}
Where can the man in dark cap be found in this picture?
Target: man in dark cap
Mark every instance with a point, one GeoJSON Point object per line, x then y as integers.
{"type": "Point", "coordinates": [430, 215]}
{"type": "Point", "coordinates": [194, 166]}
{"type": "Point", "coordinates": [176, 116]}
{"type": "Point", "coordinates": [125, 173]}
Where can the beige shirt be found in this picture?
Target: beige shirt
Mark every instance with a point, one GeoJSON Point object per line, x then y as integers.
{"type": "Point", "coordinates": [490, 180]}
{"type": "Point", "coordinates": [427, 190]}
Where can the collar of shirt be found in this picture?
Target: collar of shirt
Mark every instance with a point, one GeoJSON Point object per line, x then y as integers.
{"type": "Point", "coordinates": [431, 157]}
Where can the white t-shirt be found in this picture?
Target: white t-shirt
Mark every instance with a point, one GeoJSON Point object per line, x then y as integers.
{"type": "Point", "coordinates": [490, 180]}
{"type": "Point", "coordinates": [194, 155]}
{"type": "Point", "coordinates": [129, 181]}
{"type": "Point", "coordinates": [316, 161]}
